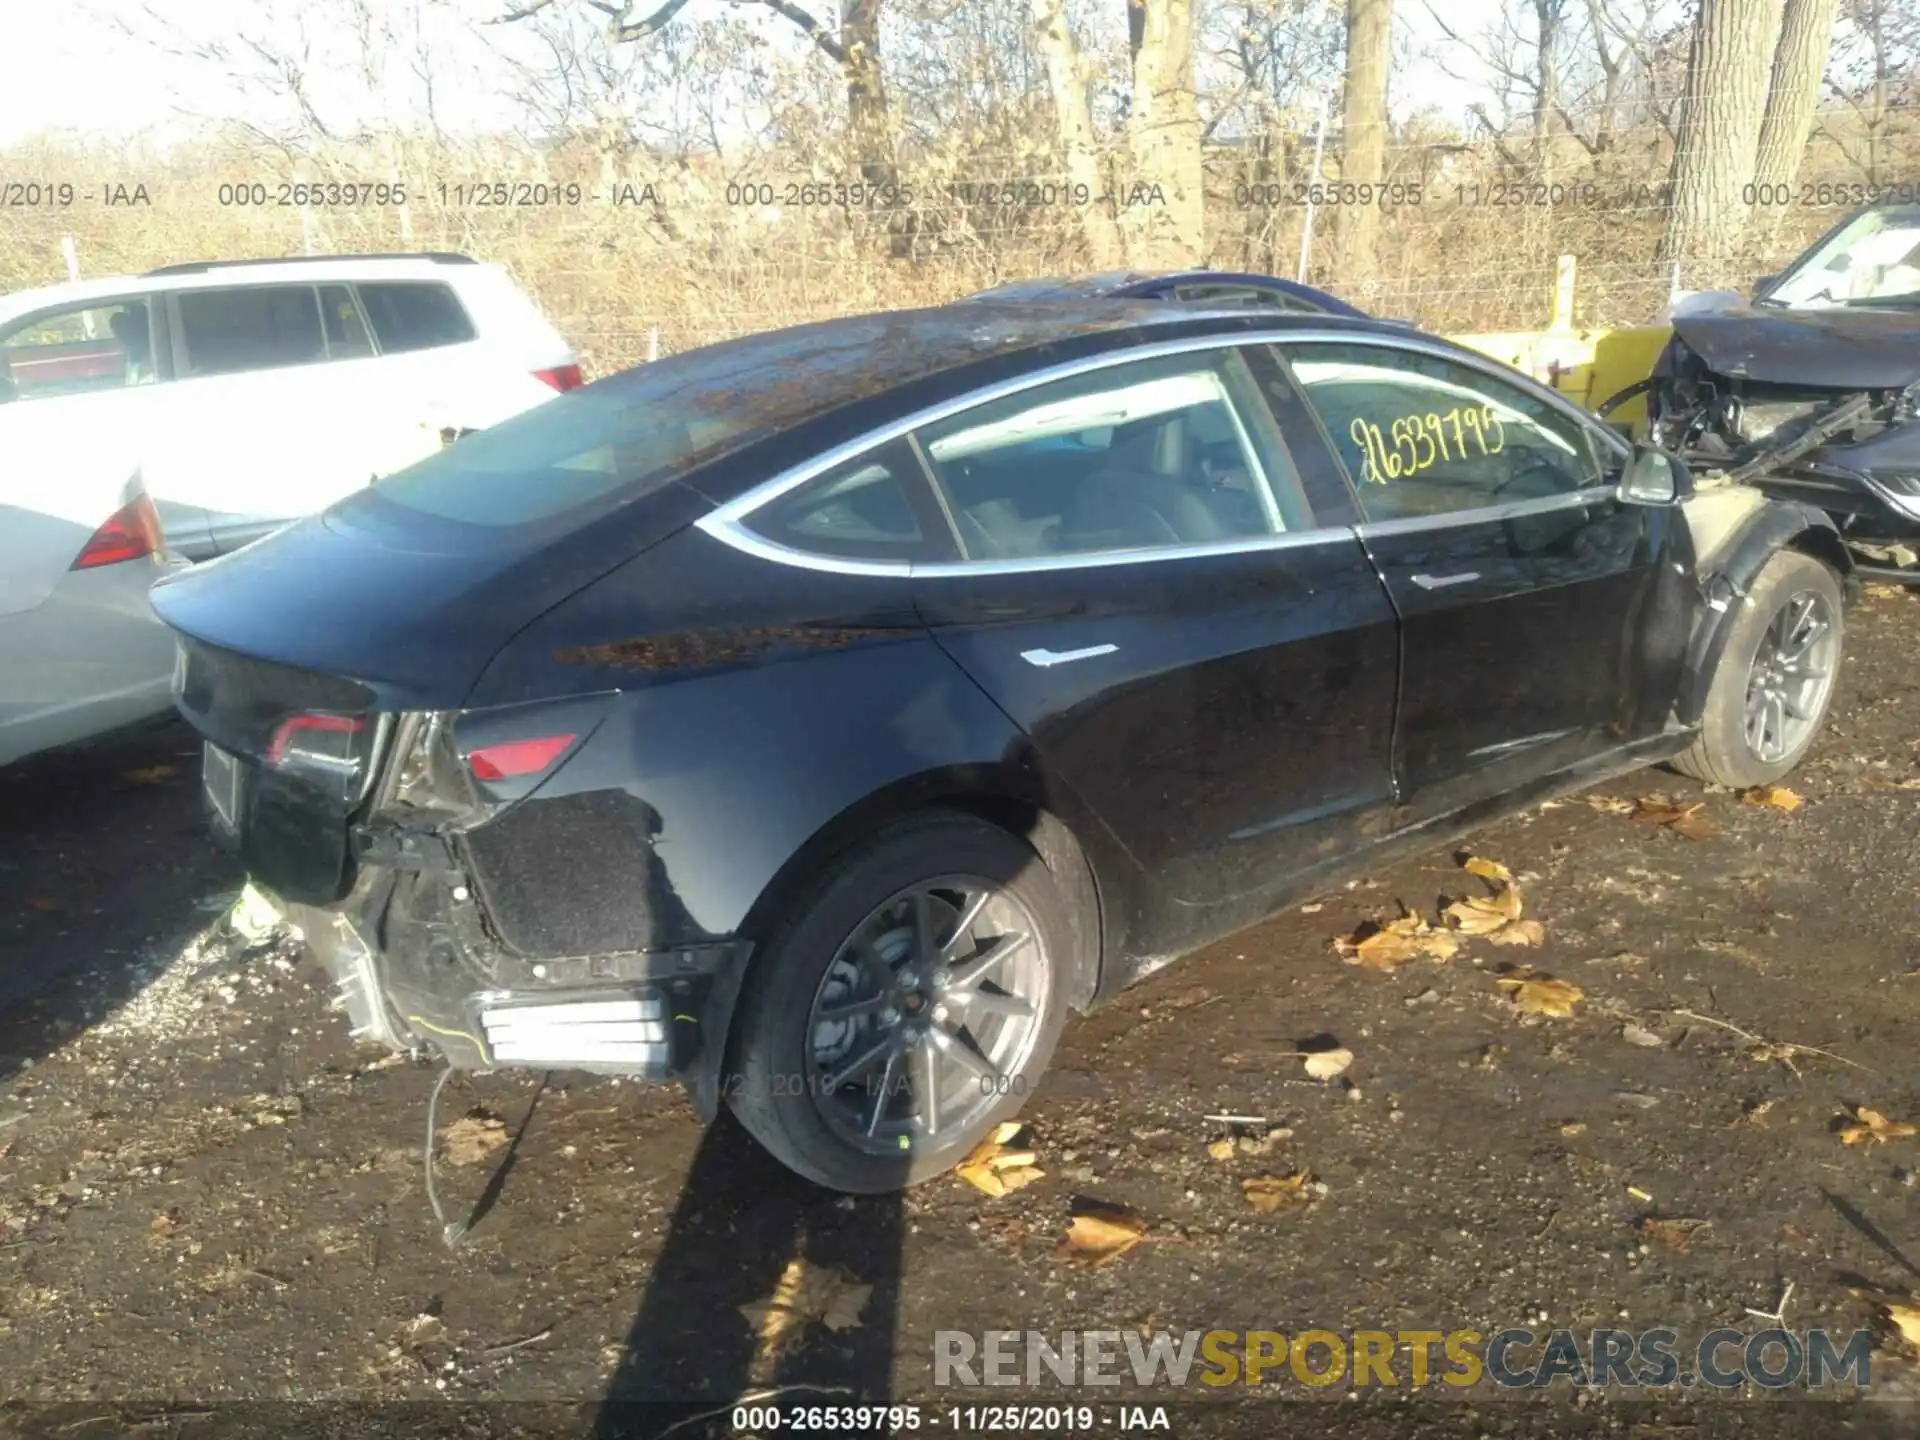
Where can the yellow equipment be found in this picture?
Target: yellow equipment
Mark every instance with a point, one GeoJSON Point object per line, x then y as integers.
{"type": "Point", "coordinates": [1587, 366]}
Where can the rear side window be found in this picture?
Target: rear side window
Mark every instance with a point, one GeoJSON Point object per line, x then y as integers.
{"type": "Point", "coordinates": [255, 327]}
{"type": "Point", "coordinates": [346, 332]}
{"type": "Point", "coordinates": [415, 315]}
{"type": "Point", "coordinates": [875, 507]}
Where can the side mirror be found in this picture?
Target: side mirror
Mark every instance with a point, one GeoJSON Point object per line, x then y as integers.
{"type": "Point", "coordinates": [1653, 477]}
{"type": "Point", "coordinates": [1762, 284]}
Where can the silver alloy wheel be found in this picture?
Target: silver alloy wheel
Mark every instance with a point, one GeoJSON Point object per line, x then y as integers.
{"type": "Point", "coordinates": [926, 1016]}
{"type": "Point", "coordinates": [1792, 672]}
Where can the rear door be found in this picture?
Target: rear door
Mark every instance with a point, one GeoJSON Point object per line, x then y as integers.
{"type": "Point", "coordinates": [1521, 579]}
{"type": "Point", "coordinates": [462, 357]}
{"type": "Point", "coordinates": [269, 418]}
{"type": "Point", "coordinates": [1195, 644]}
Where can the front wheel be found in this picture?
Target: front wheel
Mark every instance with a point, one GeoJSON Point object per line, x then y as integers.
{"type": "Point", "coordinates": [906, 1008]}
{"type": "Point", "coordinates": [1770, 692]}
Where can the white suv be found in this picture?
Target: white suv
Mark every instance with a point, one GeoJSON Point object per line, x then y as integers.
{"type": "Point", "coordinates": [249, 393]}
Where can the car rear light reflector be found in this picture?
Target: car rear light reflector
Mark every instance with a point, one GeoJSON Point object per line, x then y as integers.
{"type": "Point", "coordinates": [561, 377]}
{"type": "Point", "coordinates": [130, 533]}
{"type": "Point", "coordinates": [316, 738]}
{"type": "Point", "coordinates": [512, 758]}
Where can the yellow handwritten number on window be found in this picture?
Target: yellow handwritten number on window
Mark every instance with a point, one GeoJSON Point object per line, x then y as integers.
{"type": "Point", "coordinates": [1414, 444]}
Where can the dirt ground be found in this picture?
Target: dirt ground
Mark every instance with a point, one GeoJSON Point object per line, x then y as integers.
{"type": "Point", "coordinates": [208, 1193]}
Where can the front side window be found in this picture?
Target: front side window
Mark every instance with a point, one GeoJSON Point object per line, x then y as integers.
{"type": "Point", "coordinates": [871, 508]}
{"type": "Point", "coordinates": [1424, 435]}
{"type": "Point", "coordinates": [101, 346]}
{"type": "Point", "coordinates": [253, 327]}
{"type": "Point", "coordinates": [414, 315]}
{"type": "Point", "coordinates": [1150, 454]}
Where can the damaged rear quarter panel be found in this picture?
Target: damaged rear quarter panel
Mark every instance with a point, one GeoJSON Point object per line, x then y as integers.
{"type": "Point", "coordinates": [670, 823]}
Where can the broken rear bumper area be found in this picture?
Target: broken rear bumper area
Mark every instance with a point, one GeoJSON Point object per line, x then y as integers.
{"type": "Point", "coordinates": [415, 971]}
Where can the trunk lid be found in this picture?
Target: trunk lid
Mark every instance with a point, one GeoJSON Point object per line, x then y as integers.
{"type": "Point", "coordinates": [299, 654]}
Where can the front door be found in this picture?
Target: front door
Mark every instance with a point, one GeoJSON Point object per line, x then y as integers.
{"type": "Point", "coordinates": [1196, 646]}
{"type": "Point", "coordinates": [1521, 580]}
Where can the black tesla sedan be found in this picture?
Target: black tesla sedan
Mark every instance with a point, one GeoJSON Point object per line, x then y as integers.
{"type": "Point", "coordinates": [815, 719]}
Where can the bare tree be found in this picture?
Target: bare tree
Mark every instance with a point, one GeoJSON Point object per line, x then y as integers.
{"type": "Point", "coordinates": [1163, 132]}
{"type": "Point", "coordinates": [1728, 69]}
{"type": "Point", "coordinates": [1799, 64]}
{"type": "Point", "coordinates": [1068, 81]}
{"type": "Point", "coordinates": [1363, 150]}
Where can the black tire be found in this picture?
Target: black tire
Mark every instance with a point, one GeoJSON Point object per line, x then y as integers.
{"type": "Point", "coordinates": [771, 1080]}
{"type": "Point", "coordinates": [1721, 753]}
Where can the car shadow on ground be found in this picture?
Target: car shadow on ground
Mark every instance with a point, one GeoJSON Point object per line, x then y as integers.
{"type": "Point", "coordinates": [741, 1221]}
{"type": "Point", "coordinates": [106, 871]}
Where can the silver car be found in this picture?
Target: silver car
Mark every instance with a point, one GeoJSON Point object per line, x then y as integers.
{"type": "Point", "coordinates": [81, 651]}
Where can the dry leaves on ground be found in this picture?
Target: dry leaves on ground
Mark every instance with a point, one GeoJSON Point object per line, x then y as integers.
{"type": "Point", "coordinates": [1269, 1192]}
{"type": "Point", "coordinates": [996, 1169]}
{"type": "Point", "coordinates": [1326, 1064]}
{"type": "Point", "coordinates": [1682, 820]}
{"type": "Point", "coordinates": [473, 1137]}
{"type": "Point", "coordinates": [1389, 946]}
{"type": "Point", "coordinates": [804, 1295]}
{"type": "Point", "coordinates": [1870, 1127]}
{"type": "Point", "coordinates": [1101, 1234]}
{"type": "Point", "coordinates": [1611, 804]}
{"type": "Point", "coordinates": [1774, 797]}
{"type": "Point", "coordinates": [1676, 1233]}
{"type": "Point", "coordinates": [1539, 994]}
{"type": "Point", "coordinates": [1494, 917]}
{"type": "Point", "coordinates": [1905, 1319]}
{"type": "Point", "coordinates": [150, 774]}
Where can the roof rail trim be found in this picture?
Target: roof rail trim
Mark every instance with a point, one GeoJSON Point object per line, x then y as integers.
{"type": "Point", "coordinates": [202, 267]}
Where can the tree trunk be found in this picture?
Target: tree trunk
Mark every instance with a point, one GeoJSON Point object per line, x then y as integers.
{"type": "Point", "coordinates": [1363, 149]}
{"type": "Point", "coordinates": [1799, 64]}
{"type": "Point", "coordinates": [1164, 207]}
{"type": "Point", "coordinates": [866, 92]}
{"type": "Point", "coordinates": [1550, 17]}
{"type": "Point", "coordinates": [1067, 79]}
{"type": "Point", "coordinates": [1720, 117]}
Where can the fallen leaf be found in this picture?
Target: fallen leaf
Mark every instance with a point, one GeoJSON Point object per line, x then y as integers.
{"type": "Point", "coordinates": [1905, 1319]}
{"type": "Point", "coordinates": [1777, 797]}
{"type": "Point", "coordinates": [1676, 1234]}
{"type": "Point", "coordinates": [1494, 917]}
{"type": "Point", "coordinates": [1541, 994]}
{"type": "Point", "coordinates": [995, 1169]}
{"type": "Point", "coordinates": [1101, 1235]}
{"type": "Point", "coordinates": [473, 1137]}
{"type": "Point", "coordinates": [1325, 1064]}
{"type": "Point", "coordinates": [1519, 932]}
{"type": "Point", "coordinates": [1872, 1128]}
{"type": "Point", "coordinates": [1574, 1127]}
{"type": "Point", "coordinates": [1487, 869]}
{"type": "Point", "coordinates": [1270, 1192]}
{"type": "Point", "coordinates": [1221, 1149]}
{"type": "Point", "coordinates": [150, 774]}
{"type": "Point", "coordinates": [1388, 946]}
{"type": "Point", "coordinates": [164, 1224]}
{"type": "Point", "coordinates": [802, 1296]}
{"type": "Point", "coordinates": [1683, 820]}
{"type": "Point", "coordinates": [1610, 804]}
{"type": "Point", "coordinates": [1641, 1036]}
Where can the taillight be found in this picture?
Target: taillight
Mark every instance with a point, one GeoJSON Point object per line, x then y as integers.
{"type": "Point", "coordinates": [511, 759]}
{"type": "Point", "coordinates": [561, 377]}
{"type": "Point", "coordinates": [130, 533]}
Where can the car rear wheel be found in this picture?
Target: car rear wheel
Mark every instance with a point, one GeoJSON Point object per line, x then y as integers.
{"type": "Point", "coordinates": [907, 1007]}
{"type": "Point", "coordinates": [1769, 696]}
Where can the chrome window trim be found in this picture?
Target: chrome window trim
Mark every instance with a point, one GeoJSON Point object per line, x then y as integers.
{"type": "Point", "coordinates": [726, 523]}
{"type": "Point", "coordinates": [1486, 514]}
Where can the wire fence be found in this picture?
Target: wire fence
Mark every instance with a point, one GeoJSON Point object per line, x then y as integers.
{"type": "Point", "coordinates": [633, 253]}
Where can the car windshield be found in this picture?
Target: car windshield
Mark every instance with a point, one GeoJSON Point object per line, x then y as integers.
{"type": "Point", "coordinates": [1872, 262]}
